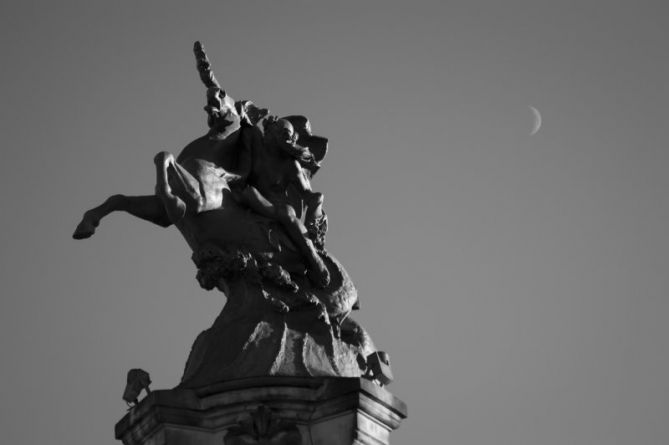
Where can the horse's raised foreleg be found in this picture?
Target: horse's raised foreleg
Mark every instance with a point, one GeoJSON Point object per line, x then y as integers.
{"type": "Point", "coordinates": [148, 208]}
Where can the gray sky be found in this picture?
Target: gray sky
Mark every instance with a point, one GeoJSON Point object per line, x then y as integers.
{"type": "Point", "coordinates": [518, 282]}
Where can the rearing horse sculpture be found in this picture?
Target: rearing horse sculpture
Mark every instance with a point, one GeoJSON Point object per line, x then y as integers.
{"type": "Point", "coordinates": [241, 197]}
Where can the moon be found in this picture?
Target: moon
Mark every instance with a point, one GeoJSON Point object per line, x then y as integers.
{"type": "Point", "coordinates": [537, 120]}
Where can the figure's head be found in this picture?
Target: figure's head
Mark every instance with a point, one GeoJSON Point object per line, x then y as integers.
{"type": "Point", "coordinates": [250, 114]}
{"type": "Point", "coordinates": [281, 132]}
{"type": "Point", "coordinates": [318, 145]}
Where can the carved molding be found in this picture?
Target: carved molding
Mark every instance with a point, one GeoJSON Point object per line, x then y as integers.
{"type": "Point", "coordinates": [263, 428]}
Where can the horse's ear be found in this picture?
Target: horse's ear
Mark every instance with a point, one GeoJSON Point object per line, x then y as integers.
{"type": "Point", "coordinates": [243, 116]}
{"type": "Point", "coordinates": [250, 113]}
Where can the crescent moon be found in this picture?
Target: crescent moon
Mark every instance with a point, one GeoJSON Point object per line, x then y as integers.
{"type": "Point", "coordinates": [537, 120]}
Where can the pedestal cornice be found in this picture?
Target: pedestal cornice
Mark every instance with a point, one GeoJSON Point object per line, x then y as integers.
{"type": "Point", "coordinates": [325, 410]}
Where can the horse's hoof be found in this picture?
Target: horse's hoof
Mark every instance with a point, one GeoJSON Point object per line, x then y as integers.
{"type": "Point", "coordinates": [84, 230]}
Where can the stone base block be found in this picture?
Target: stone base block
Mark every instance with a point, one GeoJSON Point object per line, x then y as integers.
{"type": "Point", "coordinates": [266, 410]}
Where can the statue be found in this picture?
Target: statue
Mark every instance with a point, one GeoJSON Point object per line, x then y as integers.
{"type": "Point", "coordinates": [241, 196]}
{"type": "Point", "coordinates": [137, 380]}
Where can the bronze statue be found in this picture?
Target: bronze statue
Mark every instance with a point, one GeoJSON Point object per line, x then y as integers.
{"type": "Point", "coordinates": [241, 196]}
{"type": "Point", "coordinates": [137, 380]}
{"type": "Point", "coordinates": [197, 179]}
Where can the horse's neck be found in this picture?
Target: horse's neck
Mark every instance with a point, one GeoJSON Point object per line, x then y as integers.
{"type": "Point", "coordinates": [227, 143]}
{"type": "Point", "coordinates": [222, 153]}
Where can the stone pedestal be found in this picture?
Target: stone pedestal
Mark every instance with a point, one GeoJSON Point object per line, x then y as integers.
{"type": "Point", "coordinates": [266, 410]}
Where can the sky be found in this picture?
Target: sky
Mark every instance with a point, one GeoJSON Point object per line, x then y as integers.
{"type": "Point", "coordinates": [519, 282]}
